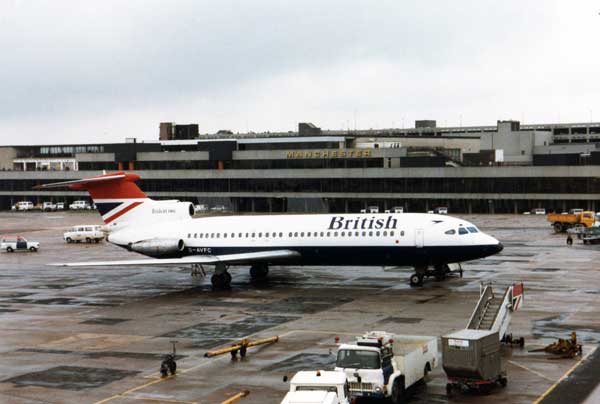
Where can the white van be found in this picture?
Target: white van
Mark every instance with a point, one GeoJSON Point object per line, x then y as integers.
{"type": "Point", "coordinates": [79, 205]}
{"type": "Point", "coordinates": [23, 205]}
{"type": "Point", "coordinates": [88, 233]}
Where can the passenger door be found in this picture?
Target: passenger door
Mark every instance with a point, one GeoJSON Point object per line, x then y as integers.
{"type": "Point", "coordinates": [419, 238]}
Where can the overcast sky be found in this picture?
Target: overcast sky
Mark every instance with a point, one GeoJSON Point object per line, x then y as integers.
{"type": "Point", "coordinates": [100, 71]}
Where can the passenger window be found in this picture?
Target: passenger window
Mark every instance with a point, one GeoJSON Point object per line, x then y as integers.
{"type": "Point", "coordinates": [392, 233]}
{"type": "Point", "coordinates": [212, 235]}
{"type": "Point", "coordinates": [296, 234]}
{"type": "Point", "coordinates": [402, 233]}
{"type": "Point", "coordinates": [385, 233]}
{"type": "Point", "coordinates": [343, 233]}
{"type": "Point", "coordinates": [328, 233]}
{"type": "Point", "coordinates": [240, 235]}
{"type": "Point", "coordinates": [200, 235]}
{"type": "Point", "coordinates": [335, 234]}
{"type": "Point", "coordinates": [253, 235]}
{"type": "Point", "coordinates": [205, 235]}
{"type": "Point", "coordinates": [259, 235]}
{"type": "Point", "coordinates": [349, 234]}
{"type": "Point", "coordinates": [308, 234]}
{"type": "Point", "coordinates": [364, 233]}
{"type": "Point", "coordinates": [370, 234]}
{"type": "Point", "coordinates": [322, 234]}
{"type": "Point", "coordinates": [377, 234]}
{"type": "Point", "coordinates": [232, 235]}
{"type": "Point", "coordinates": [266, 235]}
{"type": "Point", "coordinates": [218, 235]}
{"type": "Point", "coordinates": [224, 235]}
{"type": "Point", "coordinates": [290, 235]}
{"type": "Point", "coordinates": [451, 231]}
{"type": "Point", "coordinates": [195, 235]}
{"type": "Point", "coordinates": [302, 234]}
{"type": "Point", "coordinates": [472, 229]}
{"type": "Point", "coordinates": [189, 235]}
{"type": "Point", "coordinates": [280, 234]}
{"type": "Point", "coordinates": [462, 230]}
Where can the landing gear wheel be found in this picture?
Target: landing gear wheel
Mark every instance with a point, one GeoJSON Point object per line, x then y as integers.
{"type": "Point", "coordinates": [221, 281]}
{"type": "Point", "coordinates": [416, 280]}
{"type": "Point", "coordinates": [503, 381]}
{"type": "Point", "coordinates": [258, 272]}
{"type": "Point", "coordinates": [440, 272]}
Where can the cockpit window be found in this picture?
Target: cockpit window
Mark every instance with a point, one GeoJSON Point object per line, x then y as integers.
{"type": "Point", "coordinates": [472, 229]}
{"type": "Point", "coordinates": [451, 231]}
{"type": "Point", "coordinates": [462, 230]}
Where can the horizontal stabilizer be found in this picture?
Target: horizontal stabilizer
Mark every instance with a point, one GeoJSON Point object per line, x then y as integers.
{"type": "Point", "coordinates": [110, 177]}
{"type": "Point", "coordinates": [242, 258]}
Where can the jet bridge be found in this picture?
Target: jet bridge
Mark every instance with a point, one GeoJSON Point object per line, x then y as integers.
{"type": "Point", "coordinates": [494, 310]}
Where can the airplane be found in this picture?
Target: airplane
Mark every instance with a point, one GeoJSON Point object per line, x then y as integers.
{"type": "Point", "coordinates": [166, 231]}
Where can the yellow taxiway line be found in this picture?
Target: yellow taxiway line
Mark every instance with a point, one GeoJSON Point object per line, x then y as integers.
{"type": "Point", "coordinates": [563, 377]}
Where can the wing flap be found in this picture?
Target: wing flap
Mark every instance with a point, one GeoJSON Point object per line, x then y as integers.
{"type": "Point", "coordinates": [192, 259]}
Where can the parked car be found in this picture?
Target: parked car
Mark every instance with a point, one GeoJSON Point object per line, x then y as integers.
{"type": "Point", "coordinates": [48, 206]}
{"type": "Point", "coordinates": [373, 209]}
{"type": "Point", "coordinates": [441, 210]}
{"type": "Point", "coordinates": [88, 233]}
{"type": "Point", "coordinates": [12, 244]}
{"type": "Point", "coordinates": [538, 211]}
{"type": "Point", "coordinates": [398, 209]}
{"type": "Point", "coordinates": [79, 205]}
{"type": "Point", "coordinates": [60, 206]}
{"type": "Point", "coordinates": [23, 205]}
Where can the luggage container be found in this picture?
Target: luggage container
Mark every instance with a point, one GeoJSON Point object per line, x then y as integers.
{"type": "Point", "coordinates": [471, 360]}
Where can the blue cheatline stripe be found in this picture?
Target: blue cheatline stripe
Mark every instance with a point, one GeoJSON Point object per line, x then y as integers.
{"type": "Point", "coordinates": [105, 207]}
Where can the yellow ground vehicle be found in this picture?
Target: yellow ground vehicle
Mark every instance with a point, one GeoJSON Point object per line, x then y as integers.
{"type": "Point", "coordinates": [563, 221]}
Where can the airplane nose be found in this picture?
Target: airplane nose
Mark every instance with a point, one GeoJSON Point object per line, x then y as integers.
{"type": "Point", "coordinates": [499, 247]}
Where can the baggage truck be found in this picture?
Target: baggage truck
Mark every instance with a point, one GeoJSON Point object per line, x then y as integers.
{"type": "Point", "coordinates": [317, 387]}
{"type": "Point", "coordinates": [383, 365]}
{"type": "Point", "coordinates": [471, 360]}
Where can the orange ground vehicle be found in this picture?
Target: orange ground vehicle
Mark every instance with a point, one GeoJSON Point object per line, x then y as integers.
{"type": "Point", "coordinates": [563, 221]}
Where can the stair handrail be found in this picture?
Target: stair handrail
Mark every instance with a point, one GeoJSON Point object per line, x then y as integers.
{"type": "Point", "coordinates": [485, 295]}
{"type": "Point", "coordinates": [504, 303]}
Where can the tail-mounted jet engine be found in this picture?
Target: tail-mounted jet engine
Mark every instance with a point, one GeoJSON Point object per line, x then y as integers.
{"type": "Point", "coordinates": [158, 247]}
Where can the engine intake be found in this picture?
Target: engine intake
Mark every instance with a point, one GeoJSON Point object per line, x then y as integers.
{"type": "Point", "coordinates": [158, 247]}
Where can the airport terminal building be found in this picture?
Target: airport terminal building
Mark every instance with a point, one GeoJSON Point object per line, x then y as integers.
{"type": "Point", "coordinates": [505, 168]}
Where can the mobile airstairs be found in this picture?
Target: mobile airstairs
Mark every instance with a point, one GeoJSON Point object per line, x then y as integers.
{"type": "Point", "coordinates": [494, 311]}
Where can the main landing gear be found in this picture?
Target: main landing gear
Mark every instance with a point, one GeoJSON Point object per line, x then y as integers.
{"type": "Point", "coordinates": [439, 272]}
{"type": "Point", "coordinates": [221, 279]}
{"type": "Point", "coordinates": [259, 272]}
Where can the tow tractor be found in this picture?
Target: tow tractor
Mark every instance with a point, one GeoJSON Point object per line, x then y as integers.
{"type": "Point", "coordinates": [317, 387]}
{"type": "Point", "coordinates": [383, 365]}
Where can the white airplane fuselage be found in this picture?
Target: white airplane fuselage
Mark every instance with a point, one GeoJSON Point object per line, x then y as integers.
{"type": "Point", "coordinates": [412, 239]}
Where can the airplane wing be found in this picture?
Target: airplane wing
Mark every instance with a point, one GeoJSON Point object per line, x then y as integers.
{"type": "Point", "coordinates": [241, 258]}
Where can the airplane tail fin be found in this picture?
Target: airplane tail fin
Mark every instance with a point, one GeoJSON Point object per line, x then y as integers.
{"type": "Point", "coordinates": [115, 194]}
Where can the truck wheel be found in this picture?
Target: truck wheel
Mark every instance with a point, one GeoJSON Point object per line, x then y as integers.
{"type": "Point", "coordinates": [69, 240]}
{"type": "Point", "coordinates": [558, 228]}
{"type": "Point", "coordinates": [32, 249]}
{"type": "Point", "coordinates": [9, 249]}
{"type": "Point", "coordinates": [398, 390]}
{"type": "Point", "coordinates": [88, 240]}
{"type": "Point", "coordinates": [416, 280]}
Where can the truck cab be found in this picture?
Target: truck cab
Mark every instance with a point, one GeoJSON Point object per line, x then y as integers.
{"type": "Point", "coordinates": [48, 206]}
{"type": "Point", "coordinates": [88, 233]}
{"type": "Point", "coordinates": [318, 387]}
{"type": "Point", "coordinates": [23, 205]}
{"type": "Point", "coordinates": [383, 365]}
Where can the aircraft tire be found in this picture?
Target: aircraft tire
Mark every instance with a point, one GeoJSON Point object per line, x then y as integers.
{"type": "Point", "coordinates": [221, 281]}
{"type": "Point", "coordinates": [416, 280]}
{"type": "Point", "coordinates": [258, 272]}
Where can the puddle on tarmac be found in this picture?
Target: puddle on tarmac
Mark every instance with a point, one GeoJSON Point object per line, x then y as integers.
{"type": "Point", "coordinates": [553, 327]}
{"type": "Point", "coordinates": [71, 377]}
{"type": "Point", "coordinates": [209, 335]}
{"type": "Point", "coordinates": [303, 361]}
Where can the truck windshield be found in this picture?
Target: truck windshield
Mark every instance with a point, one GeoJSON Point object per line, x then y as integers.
{"type": "Point", "coordinates": [357, 359]}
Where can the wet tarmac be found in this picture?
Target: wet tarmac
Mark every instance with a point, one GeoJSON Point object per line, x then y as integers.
{"type": "Point", "coordinates": [97, 335]}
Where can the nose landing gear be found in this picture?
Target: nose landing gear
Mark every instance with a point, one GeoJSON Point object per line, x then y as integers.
{"type": "Point", "coordinates": [439, 272]}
